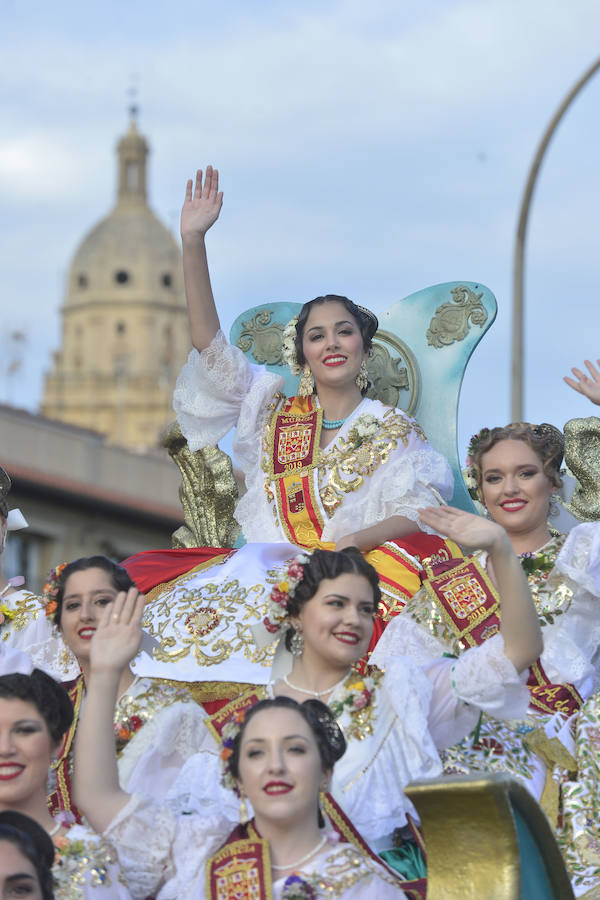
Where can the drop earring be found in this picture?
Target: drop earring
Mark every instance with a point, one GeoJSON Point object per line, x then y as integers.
{"type": "Point", "coordinates": [243, 808]}
{"type": "Point", "coordinates": [307, 384]}
{"type": "Point", "coordinates": [297, 643]}
{"type": "Point", "coordinates": [362, 379]}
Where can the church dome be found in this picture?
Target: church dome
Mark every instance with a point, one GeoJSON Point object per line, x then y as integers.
{"type": "Point", "coordinates": [129, 256]}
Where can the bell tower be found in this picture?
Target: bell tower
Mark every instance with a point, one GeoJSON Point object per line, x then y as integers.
{"type": "Point", "coordinates": [124, 321]}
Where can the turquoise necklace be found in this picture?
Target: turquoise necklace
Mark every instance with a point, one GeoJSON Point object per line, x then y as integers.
{"type": "Point", "coordinates": [330, 424]}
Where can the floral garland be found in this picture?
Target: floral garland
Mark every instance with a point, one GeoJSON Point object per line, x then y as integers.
{"type": "Point", "coordinates": [230, 731]}
{"type": "Point", "coordinates": [6, 614]}
{"type": "Point", "coordinates": [357, 694]}
{"type": "Point", "coordinates": [280, 596]}
{"type": "Point", "coordinates": [288, 348]}
{"type": "Point", "coordinates": [50, 591]}
{"type": "Point", "coordinates": [296, 888]}
{"type": "Point", "coordinates": [364, 429]}
{"type": "Point", "coordinates": [125, 730]}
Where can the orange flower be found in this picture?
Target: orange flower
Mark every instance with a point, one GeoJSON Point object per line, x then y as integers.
{"type": "Point", "coordinates": [60, 841]}
{"type": "Point", "coordinates": [124, 733]}
{"type": "Point", "coordinates": [226, 753]}
{"type": "Point", "coordinates": [51, 607]}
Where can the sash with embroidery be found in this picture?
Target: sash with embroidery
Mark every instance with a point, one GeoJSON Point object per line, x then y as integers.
{"type": "Point", "coordinates": [61, 797]}
{"type": "Point", "coordinates": [241, 869]}
{"type": "Point", "coordinates": [241, 704]}
{"type": "Point", "coordinates": [469, 604]}
{"type": "Point", "coordinates": [293, 448]}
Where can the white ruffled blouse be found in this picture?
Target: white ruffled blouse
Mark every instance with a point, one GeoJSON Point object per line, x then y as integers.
{"type": "Point", "coordinates": [219, 389]}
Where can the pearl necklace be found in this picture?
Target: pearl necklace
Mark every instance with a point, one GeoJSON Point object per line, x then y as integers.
{"type": "Point", "coordinates": [55, 829]}
{"type": "Point", "coordinates": [328, 690]}
{"type": "Point", "coordinates": [294, 865]}
{"type": "Point", "coordinates": [330, 424]}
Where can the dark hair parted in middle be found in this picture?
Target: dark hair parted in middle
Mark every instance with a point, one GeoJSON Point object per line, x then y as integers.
{"type": "Point", "coordinates": [48, 696]}
{"type": "Point", "coordinates": [120, 577]}
{"type": "Point", "coordinates": [330, 564]}
{"type": "Point", "coordinates": [321, 721]}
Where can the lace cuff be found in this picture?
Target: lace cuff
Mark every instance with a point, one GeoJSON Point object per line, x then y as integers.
{"type": "Point", "coordinates": [579, 558]}
{"type": "Point", "coordinates": [486, 678]}
{"type": "Point", "coordinates": [212, 388]}
{"type": "Point", "coordinates": [143, 834]}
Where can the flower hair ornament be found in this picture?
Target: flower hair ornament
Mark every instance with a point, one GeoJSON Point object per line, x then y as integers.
{"type": "Point", "coordinates": [288, 349]}
{"type": "Point", "coordinates": [277, 614]}
{"type": "Point", "coordinates": [50, 592]}
{"type": "Point", "coordinates": [231, 729]}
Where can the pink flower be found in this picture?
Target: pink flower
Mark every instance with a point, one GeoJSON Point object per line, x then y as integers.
{"type": "Point", "coordinates": [361, 701]}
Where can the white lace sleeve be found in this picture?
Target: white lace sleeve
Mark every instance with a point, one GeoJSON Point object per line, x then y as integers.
{"type": "Point", "coordinates": [218, 389]}
{"type": "Point", "coordinates": [162, 854]}
{"type": "Point", "coordinates": [572, 639]}
{"type": "Point", "coordinates": [481, 679]}
{"type": "Point", "coordinates": [154, 757]}
{"type": "Point", "coordinates": [579, 558]}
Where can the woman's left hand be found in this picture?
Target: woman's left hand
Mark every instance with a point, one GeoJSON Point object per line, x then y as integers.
{"type": "Point", "coordinates": [471, 531]}
{"type": "Point", "coordinates": [589, 386]}
{"type": "Point", "coordinates": [119, 633]}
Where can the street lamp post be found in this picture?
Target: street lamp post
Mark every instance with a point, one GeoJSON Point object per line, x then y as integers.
{"type": "Point", "coordinates": [518, 265]}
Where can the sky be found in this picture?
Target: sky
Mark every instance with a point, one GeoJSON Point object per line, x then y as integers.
{"type": "Point", "coordinates": [364, 149]}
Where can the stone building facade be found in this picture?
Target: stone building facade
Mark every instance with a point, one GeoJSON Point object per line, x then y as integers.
{"type": "Point", "coordinates": [125, 332]}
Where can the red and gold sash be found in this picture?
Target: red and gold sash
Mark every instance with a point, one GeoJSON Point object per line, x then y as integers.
{"type": "Point", "coordinates": [217, 721]}
{"type": "Point", "coordinates": [61, 797]}
{"type": "Point", "coordinates": [293, 447]}
{"type": "Point", "coordinates": [241, 869]}
{"type": "Point", "coordinates": [469, 604]}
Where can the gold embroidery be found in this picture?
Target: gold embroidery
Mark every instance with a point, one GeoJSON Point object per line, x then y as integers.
{"type": "Point", "coordinates": [26, 609]}
{"type": "Point", "coordinates": [232, 609]}
{"type": "Point", "coordinates": [344, 469]}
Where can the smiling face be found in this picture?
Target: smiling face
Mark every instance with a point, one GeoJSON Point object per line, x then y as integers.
{"type": "Point", "coordinates": [337, 622]}
{"type": "Point", "coordinates": [280, 769]}
{"type": "Point", "coordinates": [25, 752]}
{"type": "Point", "coordinates": [332, 344]}
{"type": "Point", "coordinates": [18, 877]}
{"type": "Point", "coordinates": [85, 595]}
{"type": "Point", "coordinates": [515, 488]}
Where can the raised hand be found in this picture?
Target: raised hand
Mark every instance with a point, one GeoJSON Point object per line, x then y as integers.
{"type": "Point", "coordinates": [470, 531]}
{"type": "Point", "coordinates": [202, 204]}
{"type": "Point", "coordinates": [588, 386]}
{"type": "Point", "coordinates": [119, 634]}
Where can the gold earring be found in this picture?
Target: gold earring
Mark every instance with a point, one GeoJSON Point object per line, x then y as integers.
{"type": "Point", "coordinates": [243, 809]}
{"type": "Point", "coordinates": [66, 659]}
{"type": "Point", "coordinates": [362, 379]}
{"type": "Point", "coordinates": [307, 384]}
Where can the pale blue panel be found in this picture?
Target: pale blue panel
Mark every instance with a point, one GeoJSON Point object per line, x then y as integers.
{"type": "Point", "coordinates": [440, 369]}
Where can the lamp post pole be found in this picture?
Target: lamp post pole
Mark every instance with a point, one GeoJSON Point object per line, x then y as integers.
{"type": "Point", "coordinates": [518, 264]}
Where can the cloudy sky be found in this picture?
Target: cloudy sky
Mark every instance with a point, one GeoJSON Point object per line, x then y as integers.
{"type": "Point", "coordinates": [369, 149]}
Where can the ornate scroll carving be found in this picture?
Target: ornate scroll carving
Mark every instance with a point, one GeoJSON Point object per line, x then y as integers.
{"type": "Point", "coordinates": [393, 371]}
{"type": "Point", "coordinates": [451, 320]}
{"type": "Point", "coordinates": [266, 336]}
{"type": "Point", "coordinates": [208, 494]}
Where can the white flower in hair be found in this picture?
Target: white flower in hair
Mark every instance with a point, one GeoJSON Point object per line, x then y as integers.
{"type": "Point", "coordinates": [288, 351]}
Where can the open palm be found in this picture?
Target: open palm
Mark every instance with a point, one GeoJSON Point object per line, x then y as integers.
{"type": "Point", "coordinates": [202, 203]}
{"type": "Point", "coordinates": [472, 532]}
{"type": "Point", "coordinates": [119, 634]}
